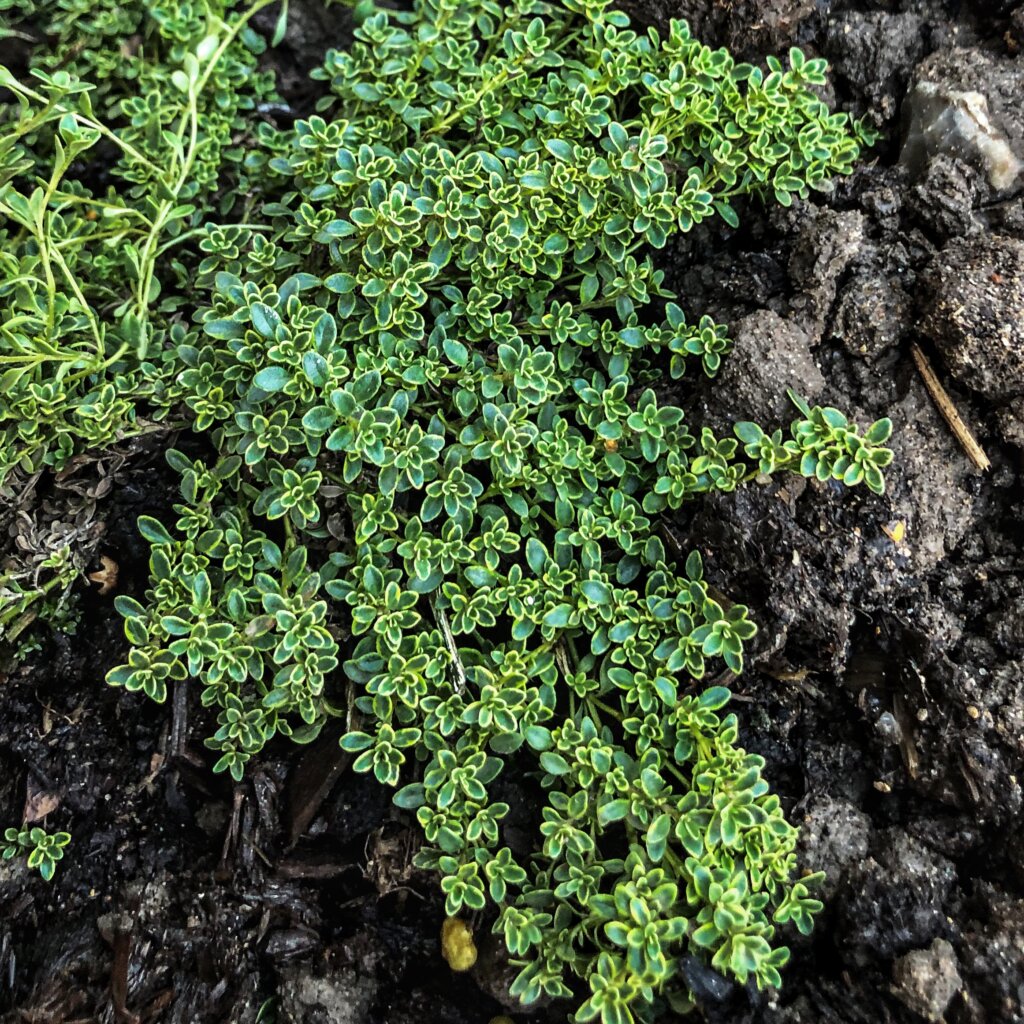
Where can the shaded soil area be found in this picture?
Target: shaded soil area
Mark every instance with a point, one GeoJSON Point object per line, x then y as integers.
{"type": "Point", "coordinates": [886, 687]}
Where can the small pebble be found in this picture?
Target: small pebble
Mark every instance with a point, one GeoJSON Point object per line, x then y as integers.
{"type": "Point", "coordinates": [926, 980]}
{"type": "Point", "coordinates": [888, 728]}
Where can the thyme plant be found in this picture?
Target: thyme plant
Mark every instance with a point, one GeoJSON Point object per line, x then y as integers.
{"type": "Point", "coordinates": [427, 353]}
{"type": "Point", "coordinates": [41, 849]}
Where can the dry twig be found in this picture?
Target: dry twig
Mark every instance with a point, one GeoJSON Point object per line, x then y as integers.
{"type": "Point", "coordinates": [945, 405]}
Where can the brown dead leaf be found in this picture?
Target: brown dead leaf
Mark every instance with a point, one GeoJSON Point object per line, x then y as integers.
{"type": "Point", "coordinates": [106, 576]}
{"type": "Point", "coordinates": [38, 803]}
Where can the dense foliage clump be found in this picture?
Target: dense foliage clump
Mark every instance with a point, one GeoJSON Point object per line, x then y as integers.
{"type": "Point", "coordinates": [425, 332]}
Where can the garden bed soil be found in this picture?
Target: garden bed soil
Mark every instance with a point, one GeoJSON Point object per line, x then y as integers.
{"type": "Point", "coordinates": [885, 687]}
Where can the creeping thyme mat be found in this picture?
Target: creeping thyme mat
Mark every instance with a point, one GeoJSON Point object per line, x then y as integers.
{"type": "Point", "coordinates": [423, 330]}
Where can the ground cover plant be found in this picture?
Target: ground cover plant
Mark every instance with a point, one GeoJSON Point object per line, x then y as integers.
{"type": "Point", "coordinates": [424, 331]}
{"type": "Point", "coordinates": [41, 849]}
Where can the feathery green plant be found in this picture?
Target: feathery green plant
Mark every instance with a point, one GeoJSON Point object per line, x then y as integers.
{"type": "Point", "coordinates": [97, 222]}
{"type": "Point", "coordinates": [90, 279]}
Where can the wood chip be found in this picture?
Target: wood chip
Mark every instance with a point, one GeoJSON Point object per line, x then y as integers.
{"type": "Point", "coordinates": [311, 780]}
{"type": "Point", "coordinates": [945, 406]}
{"type": "Point", "coordinates": [907, 746]}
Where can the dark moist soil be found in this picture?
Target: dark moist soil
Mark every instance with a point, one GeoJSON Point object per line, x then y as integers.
{"type": "Point", "coordinates": [886, 686]}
